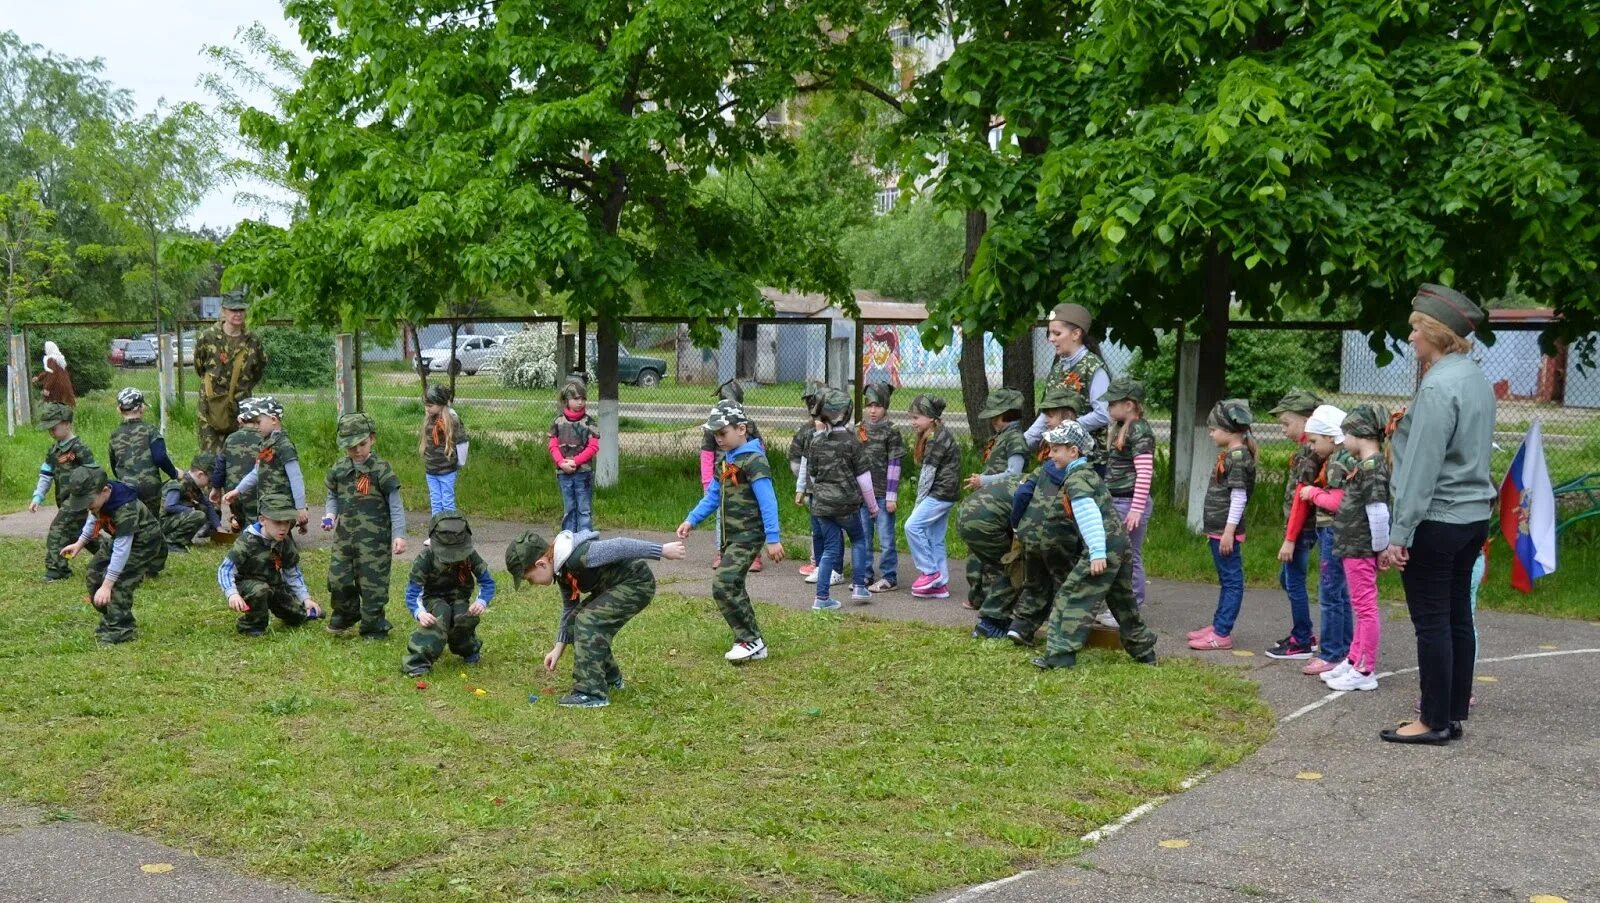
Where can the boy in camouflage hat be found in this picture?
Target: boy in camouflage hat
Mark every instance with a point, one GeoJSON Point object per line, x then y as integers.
{"type": "Point", "coordinates": [885, 448]}
{"type": "Point", "coordinates": [443, 447]}
{"type": "Point", "coordinates": [65, 454]}
{"type": "Point", "coordinates": [1005, 455]}
{"type": "Point", "coordinates": [840, 479]}
{"type": "Point", "coordinates": [613, 575]}
{"type": "Point", "coordinates": [277, 470]}
{"type": "Point", "coordinates": [1232, 481]}
{"type": "Point", "coordinates": [797, 451]}
{"type": "Point", "coordinates": [111, 512]}
{"type": "Point", "coordinates": [237, 459]}
{"type": "Point", "coordinates": [138, 457]}
{"type": "Point", "coordinates": [984, 521]}
{"type": "Point", "coordinates": [364, 506]}
{"type": "Point", "coordinates": [743, 498]}
{"type": "Point", "coordinates": [1051, 546]}
{"type": "Point", "coordinates": [443, 580]}
{"type": "Point", "coordinates": [1292, 411]}
{"type": "Point", "coordinates": [711, 456]}
{"type": "Point", "coordinates": [1103, 574]}
{"type": "Point", "coordinates": [187, 514]}
{"type": "Point", "coordinates": [261, 573]}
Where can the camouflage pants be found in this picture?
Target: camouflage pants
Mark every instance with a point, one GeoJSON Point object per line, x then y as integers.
{"type": "Point", "coordinates": [152, 504]}
{"type": "Point", "coordinates": [210, 439]}
{"type": "Point", "coordinates": [729, 591]}
{"type": "Point", "coordinates": [1001, 584]}
{"type": "Point", "coordinates": [179, 527]}
{"type": "Point", "coordinates": [358, 588]}
{"type": "Point", "coordinates": [264, 598]}
{"type": "Point", "coordinates": [977, 581]}
{"type": "Point", "coordinates": [1047, 571]}
{"type": "Point", "coordinates": [64, 530]}
{"type": "Point", "coordinates": [454, 628]}
{"type": "Point", "coordinates": [595, 626]}
{"type": "Point", "coordinates": [1082, 592]}
{"type": "Point", "coordinates": [116, 619]}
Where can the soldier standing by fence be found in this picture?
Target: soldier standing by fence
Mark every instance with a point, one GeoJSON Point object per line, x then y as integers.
{"type": "Point", "coordinates": [229, 361]}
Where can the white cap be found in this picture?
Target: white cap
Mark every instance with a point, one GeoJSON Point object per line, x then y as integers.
{"type": "Point", "coordinates": [1325, 421]}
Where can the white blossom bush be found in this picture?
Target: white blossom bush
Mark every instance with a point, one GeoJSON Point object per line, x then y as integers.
{"type": "Point", "coordinates": [529, 359]}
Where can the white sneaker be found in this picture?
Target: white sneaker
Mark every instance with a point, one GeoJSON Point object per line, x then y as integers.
{"type": "Point", "coordinates": [1354, 680]}
{"type": "Point", "coordinates": [835, 580]}
{"type": "Point", "coordinates": [747, 652]}
{"type": "Point", "coordinates": [1340, 670]}
{"type": "Point", "coordinates": [1107, 619]}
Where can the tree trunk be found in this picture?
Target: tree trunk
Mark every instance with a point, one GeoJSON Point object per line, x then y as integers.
{"type": "Point", "coordinates": [974, 375]}
{"type": "Point", "coordinates": [1017, 371]}
{"type": "Point", "coordinates": [1205, 387]}
{"type": "Point", "coordinates": [416, 356]}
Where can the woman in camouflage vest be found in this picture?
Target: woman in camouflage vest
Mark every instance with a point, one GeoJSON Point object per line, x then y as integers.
{"type": "Point", "coordinates": [1078, 364]}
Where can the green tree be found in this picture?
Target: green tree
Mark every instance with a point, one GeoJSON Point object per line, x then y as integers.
{"type": "Point", "coordinates": [913, 252]}
{"type": "Point", "coordinates": [256, 63]}
{"type": "Point", "coordinates": [31, 251]}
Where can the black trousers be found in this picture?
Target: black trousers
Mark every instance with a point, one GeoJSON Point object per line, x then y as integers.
{"type": "Point", "coordinates": [1438, 584]}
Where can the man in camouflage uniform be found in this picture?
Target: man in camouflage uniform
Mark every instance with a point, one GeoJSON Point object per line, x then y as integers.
{"type": "Point", "coordinates": [67, 453]}
{"type": "Point", "coordinates": [743, 496]}
{"type": "Point", "coordinates": [1005, 455]}
{"type": "Point", "coordinates": [613, 574]}
{"type": "Point", "coordinates": [984, 522]}
{"type": "Point", "coordinates": [128, 538]}
{"type": "Point", "coordinates": [229, 361]}
{"type": "Point", "coordinates": [186, 509]}
{"type": "Point", "coordinates": [1104, 571]}
{"type": "Point", "coordinates": [139, 458]}
{"type": "Point", "coordinates": [364, 505]}
{"type": "Point", "coordinates": [440, 595]}
{"type": "Point", "coordinates": [234, 463]}
{"type": "Point", "coordinates": [836, 471]}
{"type": "Point", "coordinates": [261, 573]}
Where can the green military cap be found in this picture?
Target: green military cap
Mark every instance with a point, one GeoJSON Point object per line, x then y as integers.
{"type": "Point", "coordinates": [1449, 307]}
{"type": "Point", "coordinates": [725, 413]}
{"type": "Point", "coordinates": [450, 537]}
{"type": "Point", "coordinates": [1002, 401]}
{"type": "Point", "coordinates": [1124, 388]}
{"type": "Point", "coordinates": [354, 429]}
{"type": "Point", "coordinates": [834, 406]}
{"type": "Point", "coordinates": [277, 506]}
{"type": "Point", "coordinates": [928, 406]}
{"type": "Point", "coordinates": [53, 413]}
{"type": "Point", "coordinates": [80, 487]}
{"type": "Point", "coordinates": [235, 301]}
{"type": "Point", "coordinates": [1366, 421]}
{"type": "Point", "coordinates": [731, 391]}
{"type": "Point", "coordinates": [1071, 433]}
{"type": "Point", "coordinates": [878, 393]}
{"type": "Point", "coordinates": [204, 461]}
{"type": "Point", "coordinates": [1057, 397]}
{"type": "Point", "coordinates": [523, 552]}
{"type": "Point", "coordinates": [1073, 315]}
{"type": "Point", "coordinates": [1297, 401]}
{"type": "Point", "coordinates": [814, 390]}
{"type": "Point", "coordinates": [1231, 415]}
{"type": "Point", "coordinates": [437, 394]}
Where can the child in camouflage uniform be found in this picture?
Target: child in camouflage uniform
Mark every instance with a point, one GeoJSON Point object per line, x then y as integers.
{"type": "Point", "coordinates": [840, 479]}
{"type": "Point", "coordinates": [1006, 454]}
{"type": "Point", "coordinates": [711, 457]}
{"type": "Point", "coordinates": [983, 520]}
{"type": "Point", "coordinates": [67, 453]}
{"type": "Point", "coordinates": [885, 448]}
{"type": "Point", "coordinates": [574, 441]}
{"type": "Point", "coordinates": [797, 452]}
{"type": "Point", "coordinates": [186, 510]}
{"type": "Point", "coordinates": [1130, 469]}
{"type": "Point", "coordinates": [1292, 412]}
{"type": "Point", "coordinates": [237, 459]}
{"type": "Point", "coordinates": [1103, 574]}
{"type": "Point", "coordinates": [126, 552]}
{"type": "Point", "coordinates": [277, 470]}
{"type": "Point", "coordinates": [742, 495]}
{"type": "Point", "coordinates": [618, 583]}
{"type": "Point", "coordinates": [1361, 532]}
{"type": "Point", "coordinates": [938, 487]}
{"type": "Point", "coordinates": [364, 505]}
{"type": "Point", "coordinates": [443, 579]}
{"type": "Point", "coordinates": [139, 458]}
{"type": "Point", "coordinates": [1232, 480]}
{"type": "Point", "coordinates": [443, 448]}
{"type": "Point", "coordinates": [1325, 440]}
{"type": "Point", "coordinates": [261, 573]}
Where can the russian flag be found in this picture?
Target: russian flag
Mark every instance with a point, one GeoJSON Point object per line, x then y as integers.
{"type": "Point", "coordinates": [1528, 513]}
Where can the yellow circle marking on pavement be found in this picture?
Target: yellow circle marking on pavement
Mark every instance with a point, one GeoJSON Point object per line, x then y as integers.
{"type": "Point", "coordinates": [1175, 844]}
{"type": "Point", "coordinates": [1546, 898]}
{"type": "Point", "coordinates": [1309, 776]}
{"type": "Point", "coordinates": [1487, 679]}
{"type": "Point", "coordinates": [1243, 653]}
{"type": "Point", "coordinates": [156, 868]}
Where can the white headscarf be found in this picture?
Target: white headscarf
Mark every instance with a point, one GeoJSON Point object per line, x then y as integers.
{"type": "Point", "coordinates": [52, 353]}
{"type": "Point", "coordinates": [1325, 421]}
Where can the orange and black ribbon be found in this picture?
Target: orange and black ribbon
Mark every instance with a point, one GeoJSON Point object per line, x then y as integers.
{"type": "Point", "coordinates": [363, 484]}
{"type": "Point", "coordinates": [730, 473]}
{"type": "Point", "coordinates": [266, 455]}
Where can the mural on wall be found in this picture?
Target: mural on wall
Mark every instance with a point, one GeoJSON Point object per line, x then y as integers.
{"type": "Point", "coordinates": [894, 354]}
{"type": "Point", "coordinates": [881, 363]}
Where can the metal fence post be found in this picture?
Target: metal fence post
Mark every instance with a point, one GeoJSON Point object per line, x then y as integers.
{"type": "Point", "coordinates": [857, 375]}
{"type": "Point", "coordinates": [344, 378]}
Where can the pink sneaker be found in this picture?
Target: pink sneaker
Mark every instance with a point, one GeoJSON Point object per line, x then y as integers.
{"type": "Point", "coordinates": [807, 570]}
{"type": "Point", "coordinates": [1318, 666]}
{"type": "Point", "coordinates": [923, 581]}
{"type": "Point", "coordinates": [1211, 642]}
{"type": "Point", "coordinates": [1201, 633]}
{"type": "Point", "coordinates": [934, 591]}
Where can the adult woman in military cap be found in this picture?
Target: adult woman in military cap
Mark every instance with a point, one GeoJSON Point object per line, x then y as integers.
{"type": "Point", "coordinates": [1079, 365]}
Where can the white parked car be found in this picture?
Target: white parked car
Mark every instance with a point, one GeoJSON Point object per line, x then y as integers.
{"type": "Point", "coordinates": [472, 353]}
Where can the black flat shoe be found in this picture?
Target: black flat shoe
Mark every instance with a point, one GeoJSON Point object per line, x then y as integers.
{"type": "Point", "coordinates": [1430, 737]}
{"type": "Point", "coordinates": [1455, 730]}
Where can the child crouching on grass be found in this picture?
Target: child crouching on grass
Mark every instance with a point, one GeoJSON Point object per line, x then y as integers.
{"type": "Point", "coordinates": [129, 540]}
{"type": "Point", "coordinates": [613, 574]}
{"type": "Point", "coordinates": [1232, 481]}
{"type": "Point", "coordinates": [261, 573]}
{"type": "Point", "coordinates": [443, 579]}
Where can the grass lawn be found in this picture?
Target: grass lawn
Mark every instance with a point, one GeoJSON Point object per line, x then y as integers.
{"type": "Point", "coordinates": [831, 771]}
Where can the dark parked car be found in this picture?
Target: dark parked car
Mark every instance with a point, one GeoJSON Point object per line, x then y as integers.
{"type": "Point", "coordinates": [644, 372]}
{"type": "Point", "coordinates": [138, 353]}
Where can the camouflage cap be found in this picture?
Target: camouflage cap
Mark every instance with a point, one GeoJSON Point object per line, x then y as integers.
{"type": "Point", "coordinates": [235, 301]}
{"type": "Point", "coordinates": [1000, 402]}
{"type": "Point", "coordinates": [204, 461]}
{"type": "Point", "coordinates": [247, 410]}
{"type": "Point", "coordinates": [267, 406]}
{"type": "Point", "coordinates": [1071, 433]}
{"type": "Point", "coordinates": [277, 506]}
{"type": "Point", "coordinates": [53, 413]}
{"type": "Point", "coordinates": [355, 428]}
{"type": "Point", "coordinates": [1073, 315]}
{"type": "Point", "coordinates": [834, 406]}
{"type": "Point", "coordinates": [1448, 306]}
{"type": "Point", "coordinates": [814, 390]}
{"type": "Point", "coordinates": [1366, 421]}
{"type": "Point", "coordinates": [731, 391]}
{"type": "Point", "coordinates": [437, 394]}
{"type": "Point", "coordinates": [725, 413]}
{"type": "Point", "coordinates": [80, 487]}
{"type": "Point", "coordinates": [1124, 388]}
{"type": "Point", "coordinates": [523, 552]}
{"type": "Point", "coordinates": [928, 406]}
{"type": "Point", "coordinates": [130, 399]}
{"type": "Point", "coordinates": [1231, 415]}
{"type": "Point", "coordinates": [1297, 401]}
{"type": "Point", "coordinates": [450, 537]}
{"type": "Point", "coordinates": [1058, 397]}
{"type": "Point", "coordinates": [877, 393]}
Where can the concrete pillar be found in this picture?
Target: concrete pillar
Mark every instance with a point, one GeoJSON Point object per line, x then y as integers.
{"type": "Point", "coordinates": [166, 374]}
{"type": "Point", "coordinates": [344, 373]}
{"type": "Point", "coordinates": [18, 400]}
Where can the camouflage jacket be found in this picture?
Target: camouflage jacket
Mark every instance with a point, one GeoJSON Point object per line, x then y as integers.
{"type": "Point", "coordinates": [577, 579]}
{"type": "Point", "coordinates": [64, 457]}
{"type": "Point", "coordinates": [833, 462]}
{"type": "Point", "coordinates": [133, 457]}
{"type": "Point", "coordinates": [451, 583]}
{"type": "Point", "coordinates": [271, 462]}
{"type": "Point", "coordinates": [1304, 465]}
{"type": "Point", "coordinates": [984, 517]}
{"type": "Point", "coordinates": [1140, 440]}
{"type": "Point", "coordinates": [1335, 471]}
{"type": "Point", "coordinates": [1046, 525]}
{"type": "Point", "coordinates": [439, 441]}
{"type": "Point", "coordinates": [1366, 484]}
{"type": "Point", "coordinates": [238, 457]}
{"type": "Point", "coordinates": [883, 444]}
{"type": "Point", "coordinates": [1084, 482]}
{"type": "Point", "coordinates": [216, 354]}
{"type": "Point", "coordinates": [184, 492]}
{"type": "Point", "coordinates": [941, 453]}
{"type": "Point", "coordinates": [798, 446]}
{"type": "Point", "coordinates": [360, 496]}
{"type": "Point", "coordinates": [573, 437]}
{"type": "Point", "coordinates": [1235, 469]}
{"type": "Point", "coordinates": [124, 515]}
{"type": "Point", "coordinates": [741, 512]}
{"type": "Point", "coordinates": [1080, 376]}
{"type": "Point", "coordinates": [256, 557]}
{"type": "Point", "coordinates": [1001, 446]}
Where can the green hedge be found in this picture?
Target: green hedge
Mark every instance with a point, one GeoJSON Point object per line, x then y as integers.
{"type": "Point", "coordinates": [1262, 366]}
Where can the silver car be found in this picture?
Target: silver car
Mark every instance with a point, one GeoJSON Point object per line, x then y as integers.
{"type": "Point", "coordinates": [472, 353]}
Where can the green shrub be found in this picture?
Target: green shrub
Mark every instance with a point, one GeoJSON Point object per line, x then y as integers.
{"type": "Point", "coordinates": [1262, 366]}
{"type": "Point", "coordinates": [297, 358]}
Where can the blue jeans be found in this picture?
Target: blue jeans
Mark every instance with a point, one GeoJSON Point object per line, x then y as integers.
{"type": "Point", "coordinates": [1333, 597]}
{"type": "Point", "coordinates": [925, 534]}
{"type": "Point", "coordinates": [881, 529]}
{"type": "Point", "coordinates": [577, 500]}
{"type": "Point", "coordinates": [1292, 577]}
{"type": "Point", "coordinates": [1230, 576]}
{"type": "Point", "coordinates": [830, 534]}
{"type": "Point", "coordinates": [442, 491]}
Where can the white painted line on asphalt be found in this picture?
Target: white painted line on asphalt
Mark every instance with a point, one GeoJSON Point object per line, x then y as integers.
{"type": "Point", "coordinates": [978, 890]}
{"type": "Point", "coordinates": [1312, 707]}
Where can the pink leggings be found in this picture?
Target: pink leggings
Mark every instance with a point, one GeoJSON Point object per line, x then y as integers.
{"type": "Point", "coordinates": [1362, 575]}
